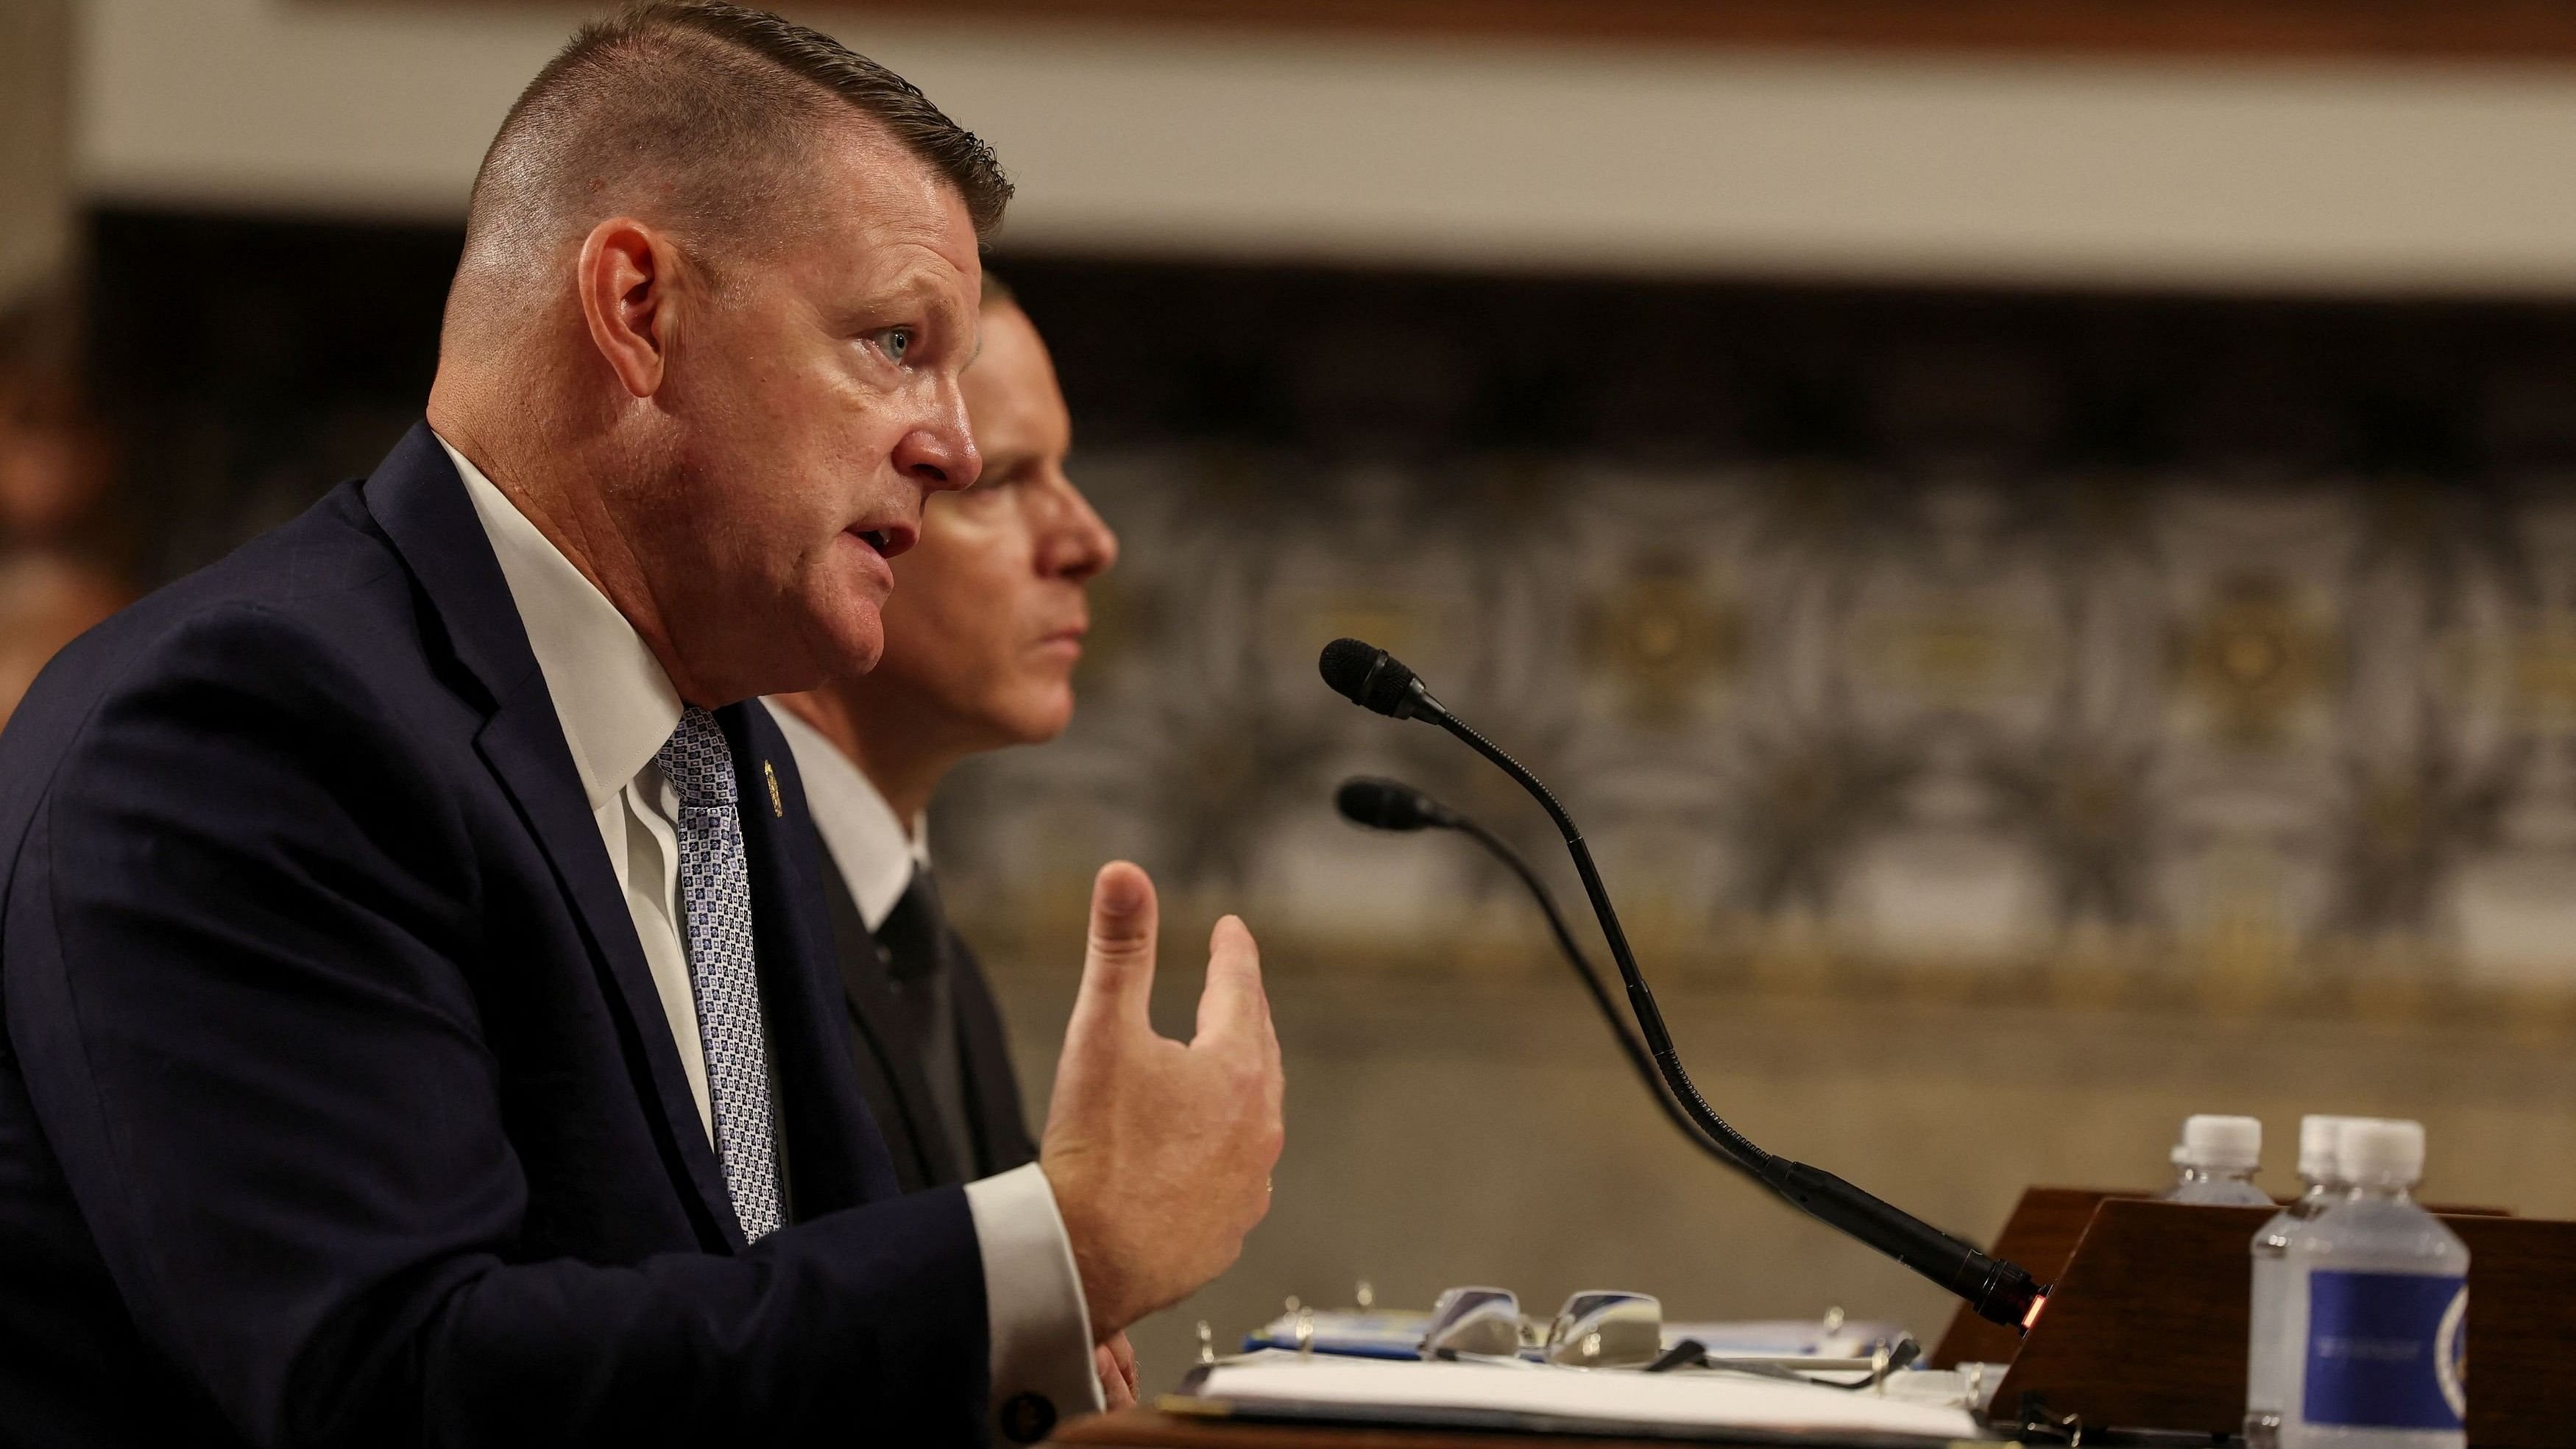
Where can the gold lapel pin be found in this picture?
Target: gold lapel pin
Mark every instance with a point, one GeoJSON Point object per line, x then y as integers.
{"type": "Point", "coordinates": [777, 802]}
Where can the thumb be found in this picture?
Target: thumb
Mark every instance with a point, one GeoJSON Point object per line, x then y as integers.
{"type": "Point", "coordinates": [1118, 964]}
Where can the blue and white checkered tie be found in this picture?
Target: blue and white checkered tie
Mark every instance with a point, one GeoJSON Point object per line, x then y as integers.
{"type": "Point", "coordinates": [715, 901]}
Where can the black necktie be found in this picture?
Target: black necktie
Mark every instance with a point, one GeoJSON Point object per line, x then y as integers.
{"type": "Point", "coordinates": [917, 947]}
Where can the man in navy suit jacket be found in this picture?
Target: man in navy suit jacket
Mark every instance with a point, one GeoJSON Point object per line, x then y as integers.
{"type": "Point", "coordinates": [421, 1022]}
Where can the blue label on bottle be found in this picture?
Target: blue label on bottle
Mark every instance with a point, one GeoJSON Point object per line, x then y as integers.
{"type": "Point", "coordinates": [2387, 1350]}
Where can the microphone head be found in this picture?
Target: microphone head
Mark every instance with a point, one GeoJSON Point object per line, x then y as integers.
{"type": "Point", "coordinates": [1370, 678]}
{"type": "Point", "coordinates": [1345, 666]}
{"type": "Point", "coordinates": [1382, 804]}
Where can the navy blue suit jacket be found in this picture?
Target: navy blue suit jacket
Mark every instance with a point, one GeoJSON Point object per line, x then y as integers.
{"type": "Point", "coordinates": [336, 1102]}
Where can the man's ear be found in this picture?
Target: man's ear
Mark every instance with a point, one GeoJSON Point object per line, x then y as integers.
{"type": "Point", "coordinates": [625, 277]}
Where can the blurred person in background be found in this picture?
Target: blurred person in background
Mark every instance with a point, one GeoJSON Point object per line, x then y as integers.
{"type": "Point", "coordinates": [421, 1025]}
{"type": "Point", "coordinates": [58, 574]}
{"type": "Point", "coordinates": [982, 635]}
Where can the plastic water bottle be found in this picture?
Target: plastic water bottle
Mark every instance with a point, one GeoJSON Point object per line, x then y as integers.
{"type": "Point", "coordinates": [2264, 1350]}
{"type": "Point", "coordinates": [2218, 1156]}
{"type": "Point", "coordinates": [2378, 1309]}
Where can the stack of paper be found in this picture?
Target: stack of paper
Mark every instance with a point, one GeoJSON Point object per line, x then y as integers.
{"type": "Point", "coordinates": [1530, 1398]}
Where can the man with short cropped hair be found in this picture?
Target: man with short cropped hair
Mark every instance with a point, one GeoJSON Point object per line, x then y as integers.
{"type": "Point", "coordinates": [981, 638]}
{"type": "Point", "coordinates": [421, 1024]}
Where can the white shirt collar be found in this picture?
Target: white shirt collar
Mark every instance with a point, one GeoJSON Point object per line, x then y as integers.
{"type": "Point", "coordinates": [616, 705]}
{"type": "Point", "coordinates": [876, 854]}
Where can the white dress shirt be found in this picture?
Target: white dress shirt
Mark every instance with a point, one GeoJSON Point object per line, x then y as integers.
{"type": "Point", "coordinates": [877, 854]}
{"type": "Point", "coordinates": [617, 708]}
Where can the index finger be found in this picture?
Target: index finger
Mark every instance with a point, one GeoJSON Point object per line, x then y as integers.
{"type": "Point", "coordinates": [1233, 1006]}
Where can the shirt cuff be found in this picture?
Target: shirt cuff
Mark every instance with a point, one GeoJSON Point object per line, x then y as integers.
{"type": "Point", "coordinates": [1040, 1325]}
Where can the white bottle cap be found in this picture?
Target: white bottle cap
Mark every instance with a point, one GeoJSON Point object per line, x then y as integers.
{"type": "Point", "coordinates": [2372, 1151]}
{"type": "Point", "coordinates": [2317, 1137]}
{"type": "Point", "coordinates": [2224, 1143]}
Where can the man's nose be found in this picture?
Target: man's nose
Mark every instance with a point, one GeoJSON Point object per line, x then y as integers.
{"type": "Point", "coordinates": [940, 457]}
{"type": "Point", "coordinates": [1079, 544]}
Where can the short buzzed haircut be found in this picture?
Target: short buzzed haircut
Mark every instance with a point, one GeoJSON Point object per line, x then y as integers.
{"type": "Point", "coordinates": [713, 107]}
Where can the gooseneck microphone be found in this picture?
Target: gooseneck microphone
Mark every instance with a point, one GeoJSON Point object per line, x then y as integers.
{"type": "Point", "coordinates": [1999, 1291]}
{"type": "Point", "coordinates": [1382, 804]}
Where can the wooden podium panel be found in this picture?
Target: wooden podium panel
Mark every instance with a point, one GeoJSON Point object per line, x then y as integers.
{"type": "Point", "coordinates": [2146, 1328]}
{"type": "Point", "coordinates": [2522, 1327]}
{"type": "Point", "coordinates": [2041, 1236]}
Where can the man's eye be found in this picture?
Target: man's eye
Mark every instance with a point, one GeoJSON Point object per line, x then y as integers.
{"type": "Point", "coordinates": [894, 342]}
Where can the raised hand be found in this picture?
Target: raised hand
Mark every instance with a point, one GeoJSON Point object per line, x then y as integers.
{"type": "Point", "coordinates": [1160, 1152]}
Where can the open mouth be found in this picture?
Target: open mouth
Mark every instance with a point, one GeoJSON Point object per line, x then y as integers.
{"type": "Point", "coordinates": [888, 541]}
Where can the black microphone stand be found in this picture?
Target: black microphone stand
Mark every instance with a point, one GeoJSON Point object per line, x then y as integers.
{"type": "Point", "coordinates": [1998, 1290]}
{"type": "Point", "coordinates": [1444, 818]}
{"type": "Point", "coordinates": [1629, 1046]}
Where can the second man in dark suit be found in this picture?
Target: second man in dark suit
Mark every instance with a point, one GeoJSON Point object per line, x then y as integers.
{"type": "Point", "coordinates": [982, 636]}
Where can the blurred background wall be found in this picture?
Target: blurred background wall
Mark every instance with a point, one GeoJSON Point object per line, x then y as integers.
{"type": "Point", "coordinates": [35, 143]}
{"type": "Point", "coordinates": [2038, 539]}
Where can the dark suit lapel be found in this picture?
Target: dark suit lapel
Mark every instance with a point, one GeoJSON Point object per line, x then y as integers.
{"type": "Point", "coordinates": [421, 503]}
{"type": "Point", "coordinates": [836, 1156]}
{"type": "Point", "coordinates": [992, 1087]}
{"type": "Point", "coordinates": [885, 1061]}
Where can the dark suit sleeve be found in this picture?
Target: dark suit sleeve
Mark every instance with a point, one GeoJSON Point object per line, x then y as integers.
{"type": "Point", "coordinates": [996, 1085]}
{"type": "Point", "coordinates": [240, 939]}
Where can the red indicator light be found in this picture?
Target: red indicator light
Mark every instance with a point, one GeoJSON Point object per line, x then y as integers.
{"type": "Point", "coordinates": [2036, 1306]}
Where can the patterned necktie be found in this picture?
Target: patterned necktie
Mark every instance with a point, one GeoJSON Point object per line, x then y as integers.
{"type": "Point", "coordinates": [715, 901]}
